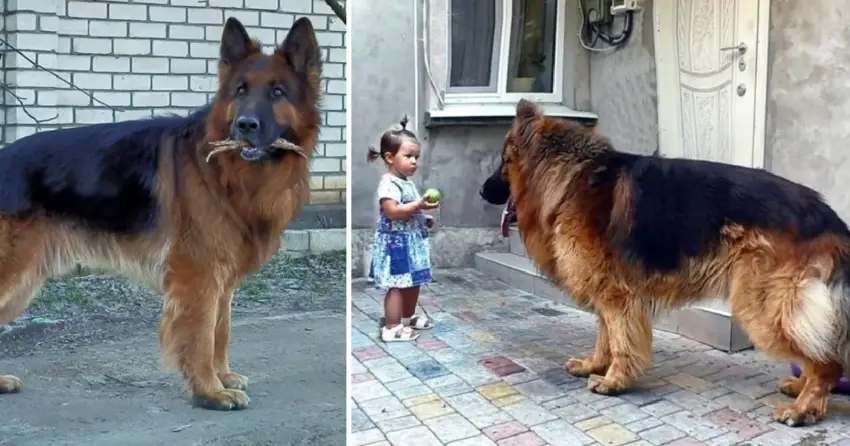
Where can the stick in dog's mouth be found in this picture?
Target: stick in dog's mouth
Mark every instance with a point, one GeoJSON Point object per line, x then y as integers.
{"type": "Point", "coordinates": [230, 145]}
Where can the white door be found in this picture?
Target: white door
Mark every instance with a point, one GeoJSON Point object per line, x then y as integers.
{"type": "Point", "coordinates": [711, 72]}
{"type": "Point", "coordinates": [711, 65]}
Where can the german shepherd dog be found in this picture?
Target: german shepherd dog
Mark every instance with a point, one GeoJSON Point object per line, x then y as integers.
{"type": "Point", "coordinates": [147, 200]}
{"type": "Point", "coordinates": [628, 235]}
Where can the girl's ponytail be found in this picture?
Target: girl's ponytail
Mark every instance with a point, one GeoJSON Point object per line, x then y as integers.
{"type": "Point", "coordinates": [373, 154]}
{"type": "Point", "coordinates": [392, 139]}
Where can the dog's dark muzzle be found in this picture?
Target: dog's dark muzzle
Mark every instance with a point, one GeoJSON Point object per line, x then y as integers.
{"type": "Point", "coordinates": [251, 129]}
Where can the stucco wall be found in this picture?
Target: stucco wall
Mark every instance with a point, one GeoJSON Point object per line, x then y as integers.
{"type": "Point", "coordinates": [382, 89]}
{"type": "Point", "coordinates": [808, 104]}
{"type": "Point", "coordinates": [808, 97]}
{"type": "Point", "coordinates": [455, 160]}
{"type": "Point", "coordinates": [622, 89]}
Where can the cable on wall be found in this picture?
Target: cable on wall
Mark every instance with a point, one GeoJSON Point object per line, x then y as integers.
{"type": "Point", "coordinates": [589, 35]}
{"type": "Point", "coordinates": [426, 56]}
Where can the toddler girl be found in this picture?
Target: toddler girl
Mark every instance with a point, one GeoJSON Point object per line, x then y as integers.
{"type": "Point", "coordinates": [401, 256]}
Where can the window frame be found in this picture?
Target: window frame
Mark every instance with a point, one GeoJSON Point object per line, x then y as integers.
{"type": "Point", "coordinates": [463, 95]}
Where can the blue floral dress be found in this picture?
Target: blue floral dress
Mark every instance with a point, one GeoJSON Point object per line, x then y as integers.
{"type": "Point", "coordinates": [401, 253]}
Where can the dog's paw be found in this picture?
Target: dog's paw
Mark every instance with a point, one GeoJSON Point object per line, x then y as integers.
{"type": "Point", "coordinates": [791, 385]}
{"type": "Point", "coordinates": [10, 384]}
{"type": "Point", "coordinates": [603, 385]}
{"type": "Point", "coordinates": [226, 399]}
{"type": "Point", "coordinates": [582, 368]}
{"type": "Point", "coordinates": [795, 416]}
{"type": "Point", "coordinates": [234, 381]}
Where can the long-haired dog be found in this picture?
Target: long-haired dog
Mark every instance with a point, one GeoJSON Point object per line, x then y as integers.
{"type": "Point", "coordinates": [629, 235]}
{"type": "Point", "coordinates": [188, 205]}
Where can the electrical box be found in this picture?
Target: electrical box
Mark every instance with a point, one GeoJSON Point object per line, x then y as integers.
{"type": "Point", "coordinates": [622, 6]}
{"type": "Point", "coordinates": [597, 12]}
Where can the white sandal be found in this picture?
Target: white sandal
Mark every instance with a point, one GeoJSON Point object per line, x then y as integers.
{"type": "Point", "coordinates": [418, 322]}
{"type": "Point", "coordinates": [399, 333]}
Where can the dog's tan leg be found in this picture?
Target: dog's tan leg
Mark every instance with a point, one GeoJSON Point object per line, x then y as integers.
{"type": "Point", "coordinates": [10, 384]}
{"type": "Point", "coordinates": [229, 379]}
{"type": "Point", "coordinates": [188, 330]}
{"type": "Point", "coordinates": [811, 403]}
{"type": "Point", "coordinates": [599, 361]}
{"type": "Point", "coordinates": [21, 249]}
{"type": "Point", "coordinates": [791, 318]}
{"type": "Point", "coordinates": [11, 305]}
{"type": "Point", "coordinates": [792, 385]}
{"type": "Point", "coordinates": [630, 338]}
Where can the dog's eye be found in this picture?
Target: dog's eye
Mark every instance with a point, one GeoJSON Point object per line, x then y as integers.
{"type": "Point", "coordinates": [241, 89]}
{"type": "Point", "coordinates": [278, 92]}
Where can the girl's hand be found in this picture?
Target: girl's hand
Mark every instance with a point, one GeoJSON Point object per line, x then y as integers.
{"type": "Point", "coordinates": [424, 204]}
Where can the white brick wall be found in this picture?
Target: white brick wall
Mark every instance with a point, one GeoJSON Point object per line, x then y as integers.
{"type": "Point", "coordinates": [146, 57]}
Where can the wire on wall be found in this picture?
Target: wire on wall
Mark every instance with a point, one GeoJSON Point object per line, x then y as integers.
{"type": "Point", "coordinates": [6, 47]}
{"type": "Point", "coordinates": [426, 53]}
{"type": "Point", "coordinates": [589, 35]}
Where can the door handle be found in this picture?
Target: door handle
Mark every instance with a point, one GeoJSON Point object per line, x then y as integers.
{"type": "Point", "coordinates": [741, 48]}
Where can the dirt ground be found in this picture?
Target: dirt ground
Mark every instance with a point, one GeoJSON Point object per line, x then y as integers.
{"type": "Point", "coordinates": [88, 355]}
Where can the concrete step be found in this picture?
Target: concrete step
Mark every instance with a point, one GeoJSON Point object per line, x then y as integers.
{"type": "Point", "coordinates": [515, 242]}
{"type": "Point", "coordinates": [519, 272]}
{"type": "Point", "coordinates": [710, 327]}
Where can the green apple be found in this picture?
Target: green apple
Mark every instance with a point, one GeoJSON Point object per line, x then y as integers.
{"type": "Point", "coordinates": [432, 195]}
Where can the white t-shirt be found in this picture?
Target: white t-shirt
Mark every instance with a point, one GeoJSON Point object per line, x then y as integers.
{"type": "Point", "coordinates": [395, 188]}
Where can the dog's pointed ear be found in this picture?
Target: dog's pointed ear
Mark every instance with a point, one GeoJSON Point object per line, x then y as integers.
{"type": "Point", "coordinates": [300, 48]}
{"type": "Point", "coordinates": [526, 113]}
{"type": "Point", "coordinates": [526, 109]}
{"type": "Point", "coordinates": [236, 44]}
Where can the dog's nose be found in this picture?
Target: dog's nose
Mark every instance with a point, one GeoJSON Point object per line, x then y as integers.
{"type": "Point", "coordinates": [247, 125]}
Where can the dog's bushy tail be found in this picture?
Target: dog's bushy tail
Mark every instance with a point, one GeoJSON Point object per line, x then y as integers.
{"type": "Point", "coordinates": [840, 292]}
{"type": "Point", "coordinates": [819, 323]}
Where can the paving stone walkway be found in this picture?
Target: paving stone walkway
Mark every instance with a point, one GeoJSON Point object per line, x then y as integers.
{"type": "Point", "coordinates": [491, 373]}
